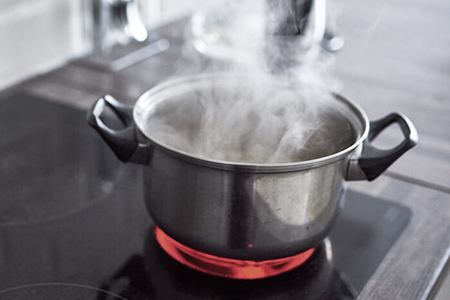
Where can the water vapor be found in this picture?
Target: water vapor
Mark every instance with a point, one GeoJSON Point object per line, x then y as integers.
{"type": "Point", "coordinates": [274, 104]}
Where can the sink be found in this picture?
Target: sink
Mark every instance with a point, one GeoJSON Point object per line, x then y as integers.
{"type": "Point", "coordinates": [51, 163]}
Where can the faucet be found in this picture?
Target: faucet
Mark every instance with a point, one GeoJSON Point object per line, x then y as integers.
{"type": "Point", "coordinates": [296, 31]}
{"type": "Point", "coordinates": [116, 21]}
{"type": "Point", "coordinates": [119, 21]}
{"type": "Point", "coordinates": [289, 32]}
{"type": "Point", "coordinates": [306, 19]}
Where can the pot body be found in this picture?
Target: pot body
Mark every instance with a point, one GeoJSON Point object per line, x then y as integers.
{"type": "Point", "coordinates": [242, 210]}
{"type": "Point", "coordinates": [243, 215]}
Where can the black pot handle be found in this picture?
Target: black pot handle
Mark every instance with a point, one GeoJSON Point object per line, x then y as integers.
{"type": "Point", "coordinates": [123, 142]}
{"type": "Point", "coordinates": [372, 161]}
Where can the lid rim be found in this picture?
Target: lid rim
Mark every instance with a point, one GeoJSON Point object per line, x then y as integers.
{"type": "Point", "coordinates": [251, 167]}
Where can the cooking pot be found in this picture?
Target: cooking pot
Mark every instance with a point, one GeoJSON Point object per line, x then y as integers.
{"type": "Point", "coordinates": [245, 210]}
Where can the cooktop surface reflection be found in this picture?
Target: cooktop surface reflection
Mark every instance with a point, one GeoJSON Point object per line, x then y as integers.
{"type": "Point", "coordinates": [73, 225]}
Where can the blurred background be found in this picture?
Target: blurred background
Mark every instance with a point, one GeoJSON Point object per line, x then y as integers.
{"type": "Point", "coordinates": [386, 55]}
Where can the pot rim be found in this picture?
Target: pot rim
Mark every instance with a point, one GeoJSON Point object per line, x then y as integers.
{"type": "Point", "coordinates": [243, 166]}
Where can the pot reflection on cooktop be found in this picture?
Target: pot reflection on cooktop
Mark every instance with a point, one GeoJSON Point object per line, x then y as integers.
{"type": "Point", "coordinates": [157, 276]}
{"type": "Point", "coordinates": [338, 270]}
{"type": "Point", "coordinates": [107, 251]}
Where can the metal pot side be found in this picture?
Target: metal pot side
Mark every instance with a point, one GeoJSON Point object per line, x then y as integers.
{"type": "Point", "coordinates": [243, 215]}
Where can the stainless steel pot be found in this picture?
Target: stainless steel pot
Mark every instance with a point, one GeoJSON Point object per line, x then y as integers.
{"type": "Point", "coordinates": [245, 210]}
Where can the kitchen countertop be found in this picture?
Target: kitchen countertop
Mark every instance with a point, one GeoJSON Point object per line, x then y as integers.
{"type": "Point", "coordinates": [397, 60]}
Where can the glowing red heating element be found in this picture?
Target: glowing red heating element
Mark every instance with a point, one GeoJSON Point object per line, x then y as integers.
{"type": "Point", "coordinates": [228, 267]}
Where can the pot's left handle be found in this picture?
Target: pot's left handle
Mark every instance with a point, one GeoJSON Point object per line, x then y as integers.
{"type": "Point", "coordinates": [123, 142]}
{"type": "Point", "coordinates": [372, 162]}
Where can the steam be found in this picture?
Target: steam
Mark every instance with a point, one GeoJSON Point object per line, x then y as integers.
{"type": "Point", "coordinates": [272, 106]}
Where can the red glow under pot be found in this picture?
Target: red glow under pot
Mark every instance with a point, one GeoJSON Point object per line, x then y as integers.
{"type": "Point", "coordinates": [228, 267]}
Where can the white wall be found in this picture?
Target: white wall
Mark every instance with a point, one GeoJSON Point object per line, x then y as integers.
{"type": "Point", "coordinates": [36, 35]}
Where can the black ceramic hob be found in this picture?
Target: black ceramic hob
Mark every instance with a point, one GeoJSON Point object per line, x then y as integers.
{"type": "Point", "coordinates": [73, 224]}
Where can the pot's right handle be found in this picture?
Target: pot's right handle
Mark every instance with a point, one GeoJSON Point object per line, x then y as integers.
{"type": "Point", "coordinates": [372, 161]}
{"type": "Point", "coordinates": [123, 142]}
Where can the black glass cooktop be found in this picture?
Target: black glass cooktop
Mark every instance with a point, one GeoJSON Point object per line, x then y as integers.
{"type": "Point", "coordinates": [73, 225]}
